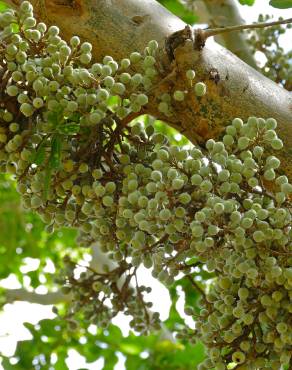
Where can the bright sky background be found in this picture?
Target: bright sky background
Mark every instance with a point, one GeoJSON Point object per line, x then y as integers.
{"type": "Point", "coordinates": [11, 328]}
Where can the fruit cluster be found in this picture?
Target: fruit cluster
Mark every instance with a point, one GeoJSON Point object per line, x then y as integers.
{"type": "Point", "coordinates": [68, 136]}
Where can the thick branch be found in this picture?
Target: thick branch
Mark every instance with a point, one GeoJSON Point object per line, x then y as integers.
{"type": "Point", "coordinates": [51, 298]}
{"type": "Point", "coordinates": [118, 27]}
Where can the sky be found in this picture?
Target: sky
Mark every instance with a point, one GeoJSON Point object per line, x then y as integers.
{"type": "Point", "coordinates": [11, 328]}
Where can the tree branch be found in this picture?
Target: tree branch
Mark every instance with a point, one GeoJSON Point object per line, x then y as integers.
{"type": "Point", "coordinates": [51, 298]}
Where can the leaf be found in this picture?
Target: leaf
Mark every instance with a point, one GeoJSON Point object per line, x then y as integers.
{"type": "Point", "coordinates": [281, 4]}
{"type": "Point", "coordinates": [189, 357]}
{"type": "Point", "coordinates": [168, 346]}
{"type": "Point", "coordinates": [130, 349]}
{"type": "Point", "coordinates": [69, 129]}
{"type": "Point", "coordinates": [113, 102]}
{"type": "Point", "coordinates": [177, 8]}
{"type": "Point", "coordinates": [135, 363]}
{"type": "Point", "coordinates": [61, 363]}
{"type": "Point", "coordinates": [110, 360]}
{"type": "Point", "coordinates": [191, 261]}
{"type": "Point", "coordinates": [55, 157]}
{"type": "Point", "coordinates": [246, 2]}
{"type": "Point", "coordinates": [191, 295]}
{"type": "Point", "coordinates": [29, 326]}
{"type": "Point", "coordinates": [3, 6]}
{"type": "Point", "coordinates": [14, 27]}
{"type": "Point", "coordinates": [56, 117]}
{"type": "Point", "coordinates": [75, 117]}
{"type": "Point", "coordinates": [7, 365]}
{"type": "Point", "coordinates": [40, 154]}
{"type": "Point", "coordinates": [54, 162]}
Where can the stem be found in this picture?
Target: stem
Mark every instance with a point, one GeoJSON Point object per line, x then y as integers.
{"type": "Point", "coordinates": [216, 31]}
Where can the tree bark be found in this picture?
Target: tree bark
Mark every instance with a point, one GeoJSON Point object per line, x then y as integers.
{"type": "Point", "coordinates": [118, 27]}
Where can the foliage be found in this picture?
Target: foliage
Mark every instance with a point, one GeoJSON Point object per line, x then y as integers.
{"type": "Point", "coordinates": [23, 236]}
{"type": "Point", "coordinates": [3, 6]}
{"type": "Point", "coordinates": [281, 4]}
{"type": "Point", "coordinates": [51, 336]}
{"type": "Point", "coordinates": [178, 8]}
{"type": "Point", "coordinates": [246, 2]}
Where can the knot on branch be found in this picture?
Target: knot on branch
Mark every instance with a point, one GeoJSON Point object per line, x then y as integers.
{"type": "Point", "coordinates": [176, 39]}
{"type": "Point", "coordinates": [199, 39]}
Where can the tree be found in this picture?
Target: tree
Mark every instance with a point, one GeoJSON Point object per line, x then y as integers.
{"type": "Point", "coordinates": [88, 145]}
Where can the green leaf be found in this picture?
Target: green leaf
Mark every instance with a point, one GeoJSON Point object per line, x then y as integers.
{"type": "Point", "coordinates": [177, 8]}
{"type": "Point", "coordinates": [191, 295]}
{"type": "Point", "coordinates": [3, 6]}
{"type": "Point", "coordinates": [246, 2]}
{"type": "Point", "coordinates": [110, 360]}
{"type": "Point", "coordinates": [40, 154]}
{"type": "Point", "coordinates": [113, 102]}
{"type": "Point", "coordinates": [54, 162]}
{"type": "Point", "coordinates": [56, 117]}
{"type": "Point", "coordinates": [281, 4]}
{"type": "Point", "coordinates": [29, 326]}
{"type": "Point", "coordinates": [69, 128]}
{"type": "Point", "coordinates": [174, 137]}
{"type": "Point", "coordinates": [191, 261]}
{"type": "Point", "coordinates": [7, 365]}
{"type": "Point", "coordinates": [135, 363]}
{"type": "Point", "coordinates": [75, 117]}
{"type": "Point", "coordinates": [61, 363]}
{"type": "Point", "coordinates": [55, 157]}
{"type": "Point", "coordinates": [130, 349]}
{"type": "Point", "coordinates": [14, 27]}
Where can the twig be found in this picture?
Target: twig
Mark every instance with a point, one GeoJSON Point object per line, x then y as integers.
{"type": "Point", "coordinates": [201, 35]}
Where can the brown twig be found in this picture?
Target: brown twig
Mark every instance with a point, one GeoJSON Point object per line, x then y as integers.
{"type": "Point", "coordinates": [201, 35]}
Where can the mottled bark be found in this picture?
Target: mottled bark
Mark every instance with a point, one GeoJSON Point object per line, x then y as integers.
{"type": "Point", "coordinates": [118, 27]}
